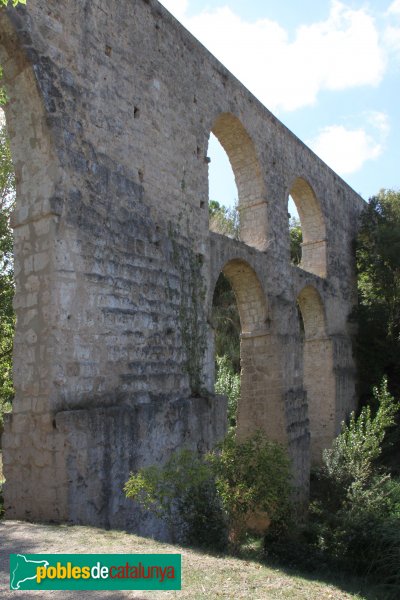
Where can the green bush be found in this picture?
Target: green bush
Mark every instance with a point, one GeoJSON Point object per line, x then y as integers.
{"type": "Point", "coordinates": [183, 494]}
{"type": "Point", "coordinates": [354, 520]}
{"type": "Point", "coordinates": [358, 513]}
{"type": "Point", "coordinates": [227, 383]}
{"type": "Point", "coordinates": [253, 482]}
{"type": "Point", "coordinates": [351, 462]}
{"type": "Point", "coordinates": [205, 499]}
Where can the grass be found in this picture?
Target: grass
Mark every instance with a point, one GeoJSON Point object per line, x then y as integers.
{"type": "Point", "coordinates": [205, 577]}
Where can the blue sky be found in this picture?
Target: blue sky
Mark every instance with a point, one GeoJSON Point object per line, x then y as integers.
{"type": "Point", "coordinates": [329, 70]}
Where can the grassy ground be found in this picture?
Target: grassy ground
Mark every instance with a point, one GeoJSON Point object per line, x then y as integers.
{"type": "Point", "coordinates": [205, 577]}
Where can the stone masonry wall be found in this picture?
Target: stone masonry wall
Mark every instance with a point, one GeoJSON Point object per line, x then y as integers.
{"type": "Point", "coordinates": [111, 108]}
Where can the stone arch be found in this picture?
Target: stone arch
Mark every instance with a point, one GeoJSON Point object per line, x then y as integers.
{"type": "Point", "coordinates": [319, 380]}
{"type": "Point", "coordinates": [260, 405]}
{"type": "Point", "coordinates": [249, 294]}
{"type": "Point", "coordinates": [313, 227]}
{"type": "Point", "coordinates": [313, 313]}
{"type": "Point", "coordinates": [242, 155]}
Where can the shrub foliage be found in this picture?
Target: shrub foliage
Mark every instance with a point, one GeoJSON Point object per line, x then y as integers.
{"type": "Point", "coordinates": [252, 479]}
{"type": "Point", "coordinates": [227, 383]}
{"type": "Point", "coordinates": [182, 493]}
{"type": "Point", "coordinates": [226, 322]}
{"type": "Point", "coordinates": [354, 522]}
{"type": "Point", "coordinates": [7, 318]}
{"type": "Point", "coordinates": [208, 500]}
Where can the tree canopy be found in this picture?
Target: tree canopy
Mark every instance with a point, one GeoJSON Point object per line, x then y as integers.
{"type": "Point", "coordinates": [296, 239]}
{"type": "Point", "coordinates": [378, 315]}
{"type": "Point", "coordinates": [223, 220]}
{"type": "Point", "coordinates": [7, 198]}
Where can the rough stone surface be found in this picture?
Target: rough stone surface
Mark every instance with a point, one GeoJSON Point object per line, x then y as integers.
{"type": "Point", "coordinates": [111, 108]}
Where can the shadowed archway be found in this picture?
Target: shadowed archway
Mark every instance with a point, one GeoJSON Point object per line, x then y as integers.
{"type": "Point", "coordinates": [260, 405]}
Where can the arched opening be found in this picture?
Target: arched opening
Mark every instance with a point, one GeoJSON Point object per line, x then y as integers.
{"type": "Point", "coordinates": [223, 193]}
{"type": "Point", "coordinates": [260, 403]}
{"type": "Point", "coordinates": [241, 152]}
{"type": "Point", "coordinates": [307, 229]}
{"type": "Point", "coordinates": [319, 381]}
{"type": "Point", "coordinates": [226, 324]}
{"type": "Point", "coordinates": [295, 232]}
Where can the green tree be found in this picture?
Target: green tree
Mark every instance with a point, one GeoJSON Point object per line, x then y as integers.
{"type": "Point", "coordinates": [378, 264]}
{"type": "Point", "coordinates": [7, 319]}
{"type": "Point", "coordinates": [225, 317]}
{"type": "Point", "coordinates": [223, 220]}
{"type": "Point", "coordinates": [7, 199]}
{"type": "Point", "coordinates": [225, 314]}
{"type": "Point", "coordinates": [253, 481]}
{"type": "Point", "coordinates": [227, 383]}
{"type": "Point", "coordinates": [296, 238]}
{"type": "Point", "coordinates": [356, 514]}
{"type": "Point", "coordinates": [351, 462]}
{"type": "Point", "coordinates": [226, 322]}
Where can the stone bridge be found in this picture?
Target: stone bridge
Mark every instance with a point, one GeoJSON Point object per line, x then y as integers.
{"type": "Point", "coordinates": [110, 112]}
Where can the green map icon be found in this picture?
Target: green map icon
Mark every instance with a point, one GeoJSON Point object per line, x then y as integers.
{"type": "Point", "coordinates": [23, 569]}
{"type": "Point", "coordinates": [95, 572]}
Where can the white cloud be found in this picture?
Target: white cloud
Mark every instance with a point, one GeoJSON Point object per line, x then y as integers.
{"type": "Point", "coordinates": [339, 53]}
{"type": "Point", "coordinates": [392, 32]}
{"type": "Point", "coordinates": [394, 8]}
{"type": "Point", "coordinates": [176, 7]}
{"type": "Point", "coordinates": [344, 50]}
{"type": "Point", "coordinates": [392, 38]}
{"type": "Point", "coordinates": [380, 121]}
{"type": "Point", "coordinates": [346, 150]}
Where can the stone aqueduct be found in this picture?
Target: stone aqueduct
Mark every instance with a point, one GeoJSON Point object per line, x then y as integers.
{"type": "Point", "coordinates": [111, 108]}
